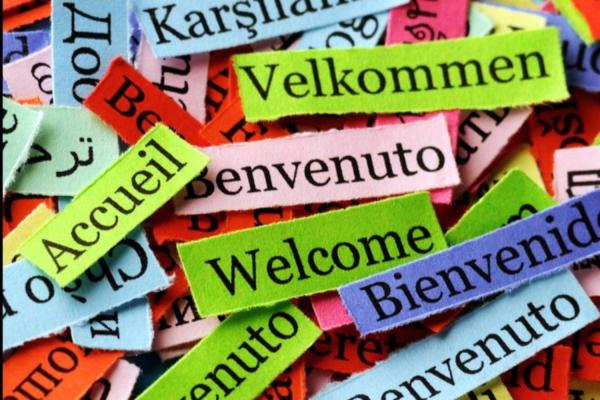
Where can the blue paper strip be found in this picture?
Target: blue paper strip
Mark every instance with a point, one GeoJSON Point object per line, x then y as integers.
{"type": "Point", "coordinates": [471, 351]}
{"type": "Point", "coordinates": [35, 306]}
{"type": "Point", "coordinates": [16, 45]}
{"type": "Point", "coordinates": [90, 34]}
{"type": "Point", "coordinates": [177, 28]}
{"type": "Point", "coordinates": [127, 327]}
{"type": "Point", "coordinates": [503, 259]}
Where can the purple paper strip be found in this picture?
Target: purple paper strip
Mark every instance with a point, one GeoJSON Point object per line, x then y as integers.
{"type": "Point", "coordinates": [544, 243]}
{"type": "Point", "coordinates": [17, 45]}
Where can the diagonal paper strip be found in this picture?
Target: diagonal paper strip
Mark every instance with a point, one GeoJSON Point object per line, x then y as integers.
{"type": "Point", "coordinates": [271, 263]}
{"type": "Point", "coordinates": [172, 31]}
{"type": "Point", "coordinates": [477, 347]}
{"type": "Point", "coordinates": [124, 195]}
{"type": "Point", "coordinates": [72, 148]}
{"type": "Point", "coordinates": [31, 76]}
{"type": "Point", "coordinates": [23, 231]}
{"type": "Point", "coordinates": [132, 105]}
{"type": "Point", "coordinates": [127, 328]}
{"type": "Point", "coordinates": [577, 19]}
{"type": "Point", "coordinates": [510, 70]}
{"type": "Point", "coordinates": [503, 259]}
{"type": "Point", "coordinates": [20, 126]}
{"type": "Point", "coordinates": [508, 20]}
{"type": "Point", "coordinates": [324, 167]}
{"type": "Point", "coordinates": [493, 390]}
{"type": "Point", "coordinates": [89, 35]}
{"type": "Point", "coordinates": [36, 306]}
{"type": "Point", "coordinates": [275, 337]}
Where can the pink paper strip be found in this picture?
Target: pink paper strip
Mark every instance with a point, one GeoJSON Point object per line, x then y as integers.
{"type": "Point", "coordinates": [31, 76]}
{"type": "Point", "coordinates": [182, 78]}
{"type": "Point", "coordinates": [576, 172]}
{"type": "Point", "coordinates": [324, 167]}
{"type": "Point", "coordinates": [316, 380]}
{"type": "Point", "coordinates": [174, 352]}
{"type": "Point", "coordinates": [590, 280]}
{"type": "Point", "coordinates": [117, 384]}
{"type": "Point", "coordinates": [482, 137]}
{"type": "Point", "coordinates": [330, 311]}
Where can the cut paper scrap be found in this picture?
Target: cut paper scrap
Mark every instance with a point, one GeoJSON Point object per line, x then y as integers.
{"type": "Point", "coordinates": [477, 347]}
{"type": "Point", "coordinates": [53, 369]}
{"type": "Point", "coordinates": [423, 21]}
{"type": "Point", "coordinates": [16, 45]}
{"type": "Point", "coordinates": [507, 20]}
{"type": "Point", "coordinates": [573, 123]}
{"type": "Point", "coordinates": [584, 363]}
{"type": "Point", "coordinates": [341, 81]}
{"type": "Point", "coordinates": [185, 228]}
{"type": "Point", "coordinates": [152, 368]}
{"type": "Point", "coordinates": [576, 172]}
{"type": "Point", "coordinates": [132, 105]}
{"type": "Point", "coordinates": [308, 255]}
{"type": "Point", "coordinates": [291, 384]}
{"type": "Point", "coordinates": [261, 216]}
{"type": "Point", "coordinates": [588, 274]}
{"type": "Point", "coordinates": [171, 32]}
{"type": "Point", "coordinates": [582, 16]}
{"type": "Point", "coordinates": [541, 244]}
{"type": "Point", "coordinates": [36, 306]}
{"type": "Point", "coordinates": [27, 14]}
{"type": "Point", "coordinates": [316, 380]}
{"type": "Point", "coordinates": [127, 328]}
{"type": "Point", "coordinates": [597, 141]}
{"type": "Point", "coordinates": [330, 311]}
{"type": "Point", "coordinates": [543, 376]}
{"type": "Point", "coordinates": [323, 167]}
{"type": "Point", "coordinates": [31, 76]}
{"type": "Point", "coordinates": [344, 350]}
{"type": "Point", "coordinates": [72, 148]}
{"type": "Point", "coordinates": [20, 125]}
{"type": "Point", "coordinates": [482, 137]}
{"type": "Point", "coordinates": [182, 78]}
{"type": "Point", "coordinates": [514, 197]}
{"type": "Point", "coordinates": [526, 4]}
{"type": "Point", "coordinates": [580, 59]}
{"type": "Point", "coordinates": [275, 337]}
{"type": "Point", "coordinates": [17, 207]}
{"type": "Point", "coordinates": [583, 390]}
{"type": "Point", "coordinates": [362, 31]}
{"type": "Point", "coordinates": [117, 384]}
{"type": "Point", "coordinates": [479, 23]}
{"type": "Point", "coordinates": [148, 175]}
{"type": "Point", "coordinates": [493, 390]}
{"type": "Point", "coordinates": [82, 48]}
{"type": "Point", "coordinates": [38, 217]}
{"type": "Point", "coordinates": [182, 324]}
{"type": "Point", "coordinates": [175, 352]}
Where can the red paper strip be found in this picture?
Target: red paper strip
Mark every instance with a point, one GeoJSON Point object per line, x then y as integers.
{"type": "Point", "coordinates": [26, 14]}
{"type": "Point", "coordinates": [290, 385]}
{"type": "Point", "coordinates": [585, 362]}
{"type": "Point", "coordinates": [16, 208]}
{"type": "Point", "coordinates": [249, 219]}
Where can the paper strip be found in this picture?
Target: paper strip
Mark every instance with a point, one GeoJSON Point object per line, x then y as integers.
{"type": "Point", "coordinates": [284, 334]}
{"type": "Point", "coordinates": [38, 307]}
{"type": "Point", "coordinates": [493, 390]}
{"type": "Point", "coordinates": [16, 45]}
{"type": "Point", "coordinates": [17, 208]}
{"type": "Point", "coordinates": [90, 34]}
{"type": "Point", "coordinates": [132, 105]}
{"type": "Point", "coordinates": [583, 390]}
{"type": "Point", "coordinates": [182, 78]}
{"type": "Point", "coordinates": [279, 84]}
{"type": "Point", "coordinates": [117, 384]}
{"type": "Point", "coordinates": [53, 369]}
{"type": "Point", "coordinates": [577, 19]}
{"type": "Point", "coordinates": [477, 347]}
{"type": "Point", "coordinates": [182, 324]}
{"type": "Point", "coordinates": [23, 231]}
{"type": "Point", "coordinates": [323, 167]}
{"type": "Point", "coordinates": [31, 76]}
{"type": "Point", "coordinates": [20, 126]}
{"type": "Point", "coordinates": [127, 327]}
{"type": "Point", "coordinates": [316, 380]}
{"type": "Point", "coordinates": [72, 148]}
{"type": "Point", "coordinates": [587, 273]}
{"type": "Point", "coordinates": [330, 311]}
{"type": "Point", "coordinates": [32, 12]}
{"type": "Point", "coordinates": [584, 363]}
{"type": "Point", "coordinates": [508, 20]}
{"type": "Point", "coordinates": [172, 30]}
{"type": "Point", "coordinates": [309, 255]}
{"type": "Point", "coordinates": [482, 137]}
{"type": "Point", "coordinates": [173, 163]}
{"type": "Point", "coordinates": [576, 172]}
{"type": "Point", "coordinates": [479, 23]}
{"type": "Point", "coordinates": [498, 261]}
{"type": "Point", "coordinates": [291, 384]}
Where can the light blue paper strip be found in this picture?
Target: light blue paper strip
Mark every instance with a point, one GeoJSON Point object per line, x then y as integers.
{"type": "Point", "coordinates": [178, 28]}
{"type": "Point", "coordinates": [555, 298]}
{"type": "Point", "coordinates": [503, 259]}
{"type": "Point", "coordinates": [35, 306]}
{"type": "Point", "coordinates": [89, 35]}
{"type": "Point", "coordinates": [73, 146]}
{"type": "Point", "coordinates": [362, 31]}
{"type": "Point", "coordinates": [479, 23]}
{"type": "Point", "coordinates": [127, 328]}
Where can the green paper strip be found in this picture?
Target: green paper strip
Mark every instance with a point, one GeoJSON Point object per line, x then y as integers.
{"type": "Point", "coordinates": [597, 140]}
{"type": "Point", "coordinates": [124, 195]}
{"type": "Point", "coordinates": [506, 70]}
{"type": "Point", "coordinates": [240, 358]}
{"type": "Point", "coordinates": [515, 197]}
{"type": "Point", "coordinates": [343, 246]}
{"type": "Point", "coordinates": [576, 19]}
{"type": "Point", "coordinates": [19, 127]}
